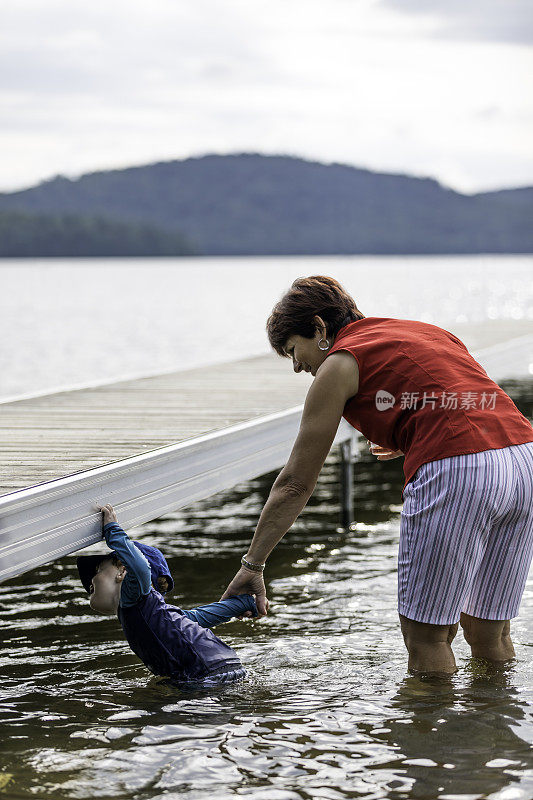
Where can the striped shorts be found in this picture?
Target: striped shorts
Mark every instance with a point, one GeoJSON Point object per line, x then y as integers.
{"type": "Point", "coordinates": [466, 536]}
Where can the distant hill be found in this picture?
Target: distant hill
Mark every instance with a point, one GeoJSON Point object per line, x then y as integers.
{"type": "Point", "coordinates": [23, 234]}
{"type": "Point", "coordinates": [250, 204]}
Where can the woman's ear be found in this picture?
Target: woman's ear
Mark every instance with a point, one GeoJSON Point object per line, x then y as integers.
{"type": "Point", "coordinates": [121, 574]}
{"type": "Point", "coordinates": [320, 326]}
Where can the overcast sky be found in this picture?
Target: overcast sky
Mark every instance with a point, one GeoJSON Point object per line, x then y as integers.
{"type": "Point", "coordinates": [440, 88]}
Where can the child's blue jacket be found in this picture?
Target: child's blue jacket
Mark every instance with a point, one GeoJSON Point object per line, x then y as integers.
{"type": "Point", "coordinates": [171, 642]}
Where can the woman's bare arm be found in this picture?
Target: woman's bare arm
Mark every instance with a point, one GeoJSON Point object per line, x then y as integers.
{"type": "Point", "coordinates": [336, 381]}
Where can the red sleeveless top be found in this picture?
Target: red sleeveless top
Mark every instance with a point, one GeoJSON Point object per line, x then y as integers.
{"type": "Point", "coordinates": [421, 392]}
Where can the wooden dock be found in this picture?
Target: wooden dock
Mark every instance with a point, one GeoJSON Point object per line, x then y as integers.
{"type": "Point", "coordinates": [148, 446]}
{"type": "Point", "coordinates": [55, 435]}
{"type": "Point", "coordinates": [155, 444]}
{"type": "Point", "coordinates": [50, 437]}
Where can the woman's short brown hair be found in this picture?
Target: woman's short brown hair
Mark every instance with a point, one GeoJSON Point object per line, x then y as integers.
{"type": "Point", "coordinates": [307, 298]}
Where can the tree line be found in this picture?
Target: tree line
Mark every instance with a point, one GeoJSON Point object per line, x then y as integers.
{"type": "Point", "coordinates": [23, 235]}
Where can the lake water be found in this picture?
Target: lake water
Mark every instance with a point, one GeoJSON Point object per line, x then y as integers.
{"type": "Point", "coordinates": [328, 709]}
{"type": "Point", "coordinates": [72, 322]}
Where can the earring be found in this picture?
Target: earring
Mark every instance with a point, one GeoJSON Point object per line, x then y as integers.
{"type": "Point", "coordinates": [320, 345]}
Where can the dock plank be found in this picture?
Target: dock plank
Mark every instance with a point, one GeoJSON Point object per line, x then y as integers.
{"type": "Point", "coordinates": [55, 435]}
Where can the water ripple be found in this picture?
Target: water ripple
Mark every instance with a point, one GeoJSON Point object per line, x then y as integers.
{"type": "Point", "coordinates": [327, 709]}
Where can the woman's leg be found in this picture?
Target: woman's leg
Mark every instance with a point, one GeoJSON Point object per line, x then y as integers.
{"type": "Point", "coordinates": [466, 543]}
{"type": "Point", "coordinates": [429, 646]}
{"type": "Point", "coordinates": [488, 638]}
{"type": "Point", "coordinates": [444, 518]}
{"type": "Point", "coordinates": [499, 583]}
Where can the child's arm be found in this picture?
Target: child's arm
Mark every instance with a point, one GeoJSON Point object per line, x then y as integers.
{"type": "Point", "coordinates": [131, 557]}
{"type": "Point", "coordinates": [139, 577]}
{"type": "Point", "coordinates": [215, 613]}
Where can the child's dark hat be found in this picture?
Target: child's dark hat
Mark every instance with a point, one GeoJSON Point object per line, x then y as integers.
{"type": "Point", "coordinates": [87, 566]}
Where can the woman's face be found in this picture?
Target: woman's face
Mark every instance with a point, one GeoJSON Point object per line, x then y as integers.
{"type": "Point", "coordinates": [305, 353]}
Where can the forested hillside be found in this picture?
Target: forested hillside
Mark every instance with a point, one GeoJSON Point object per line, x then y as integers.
{"type": "Point", "coordinates": [254, 204]}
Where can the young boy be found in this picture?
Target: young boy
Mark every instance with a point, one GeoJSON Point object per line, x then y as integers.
{"type": "Point", "coordinates": [172, 643]}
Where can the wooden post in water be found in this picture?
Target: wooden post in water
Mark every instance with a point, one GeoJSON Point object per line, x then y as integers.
{"type": "Point", "coordinates": [347, 458]}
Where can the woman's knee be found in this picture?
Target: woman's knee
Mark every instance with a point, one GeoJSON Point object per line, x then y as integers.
{"type": "Point", "coordinates": [479, 631]}
{"type": "Point", "coordinates": [425, 634]}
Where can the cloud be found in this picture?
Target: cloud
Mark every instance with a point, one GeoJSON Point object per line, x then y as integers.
{"type": "Point", "coordinates": [123, 47]}
{"type": "Point", "coordinates": [94, 86]}
{"type": "Point", "coordinates": [474, 20]}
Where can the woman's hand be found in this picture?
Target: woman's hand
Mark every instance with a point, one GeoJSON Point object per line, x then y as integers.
{"type": "Point", "coordinates": [383, 453]}
{"type": "Point", "coordinates": [247, 581]}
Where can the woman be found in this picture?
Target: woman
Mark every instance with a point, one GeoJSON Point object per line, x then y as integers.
{"type": "Point", "coordinates": [466, 533]}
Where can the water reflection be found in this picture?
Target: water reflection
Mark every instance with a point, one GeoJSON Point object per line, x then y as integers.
{"type": "Point", "coordinates": [452, 736]}
{"type": "Point", "coordinates": [327, 710]}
